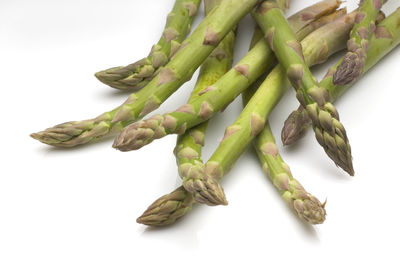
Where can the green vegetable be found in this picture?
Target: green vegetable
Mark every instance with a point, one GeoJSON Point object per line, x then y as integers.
{"type": "Point", "coordinates": [352, 64]}
{"type": "Point", "coordinates": [329, 132]}
{"type": "Point", "coordinates": [189, 144]}
{"type": "Point", "coordinates": [318, 46]}
{"type": "Point", "coordinates": [384, 40]}
{"type": "Point", "coordinates": [167, 209]}
{"type": "Point", "coordinates": [217, 96]}
{"type": "Point", "coordinates": [306, 206]}
{"type": "Point", "coordinates": [137, 75]}
{"type": "Point", "coordinates": [197, 47]}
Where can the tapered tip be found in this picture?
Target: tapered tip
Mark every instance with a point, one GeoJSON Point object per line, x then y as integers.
{"type": "Point", "coordinates": [349, 170]}
{"type": "Point", "coordinates": [50, 138]}
{"type": "Point", "coordinates": [133, 137]}
{"type": "Point", "coordinates": [313, 211]}
{"type": "Point", "coordinates": [111, 75]}
{"type": "Point", "coordinates": [295, 127]}
{"type": "Point", "coordinates": [167, 209]}
{"type": "Point", "coordinates": [35, 136]}
{"type": "Point", "coordinates": [206, 190]}
{"type": "Point", "coordinates": [350, 69]}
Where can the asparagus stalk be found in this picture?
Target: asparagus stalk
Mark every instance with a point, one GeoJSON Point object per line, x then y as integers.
{"type": "Point", "coordinates": [306, 206]}
{"type": "Point", "coordinates": [217, 96]}
{"type": "Point", "coordinates": [384, 40]}
{"type": "Point", "coordinates": [137, 75]}
{"type": "Point", "coordinates": [188, 145]}
{"type": "Point", "coordinates": [197, 48]}
{"type": "Point", "coordinates": [168, 208]}
{"type": "Point", "coordinates": [353, 62]}
{"type": "Point", "coordinates": [298, 121]}
{"type": "Point", "coordinates": [317, 48]}
{"type": "Point", "coordinates": [329, 132]}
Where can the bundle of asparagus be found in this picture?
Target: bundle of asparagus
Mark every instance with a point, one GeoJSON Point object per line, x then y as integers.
{"type": "Point", "coordinates": [273, 64]}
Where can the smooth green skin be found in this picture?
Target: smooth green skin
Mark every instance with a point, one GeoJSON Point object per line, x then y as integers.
{"type": "Point", "coordinates": [330, 38]}
{"type": "Point", "coordinates": [179, 20]}
{"type": "Point", "coordinates": [380, 46]}
{"type": "Point", "coordinates": [228, 87]}
{"type": "Point", "coordinates": [330, 133]}
{"type": "Point", "coordinates": [286, 56]}
{"type": "Point", "coordinates": [353, 62]}
{"type": "Point", "coordinates": [221, 21]}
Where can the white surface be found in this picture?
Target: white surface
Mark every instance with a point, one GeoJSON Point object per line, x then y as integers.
{"type": "Point", "coordinates": [77, 208]}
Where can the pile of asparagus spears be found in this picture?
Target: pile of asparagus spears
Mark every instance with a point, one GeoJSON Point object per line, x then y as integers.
{"type": "Point", "coordinates": [281, 52]}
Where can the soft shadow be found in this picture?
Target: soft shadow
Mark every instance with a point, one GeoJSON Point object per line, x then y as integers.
{"type": "Point", "coordinates": [323, 164]}
{"type": "Point", "coordinates": [113, 93]}
{"type": "Point", "coordinates": [307, 228]}
{"type": "Point", "coordinates": [293, 148]}
{"type": "Point", "coordinates": [183, 232]}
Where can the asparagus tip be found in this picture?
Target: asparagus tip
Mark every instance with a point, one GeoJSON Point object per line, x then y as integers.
{"type": "Point", "coordinates": [35, 136]}
{"type": "Point", "coordinates": [167, 209]}
{"type": "Point", "coordinates": [127, 140]}
{"type": "Point", "coordinates": [310, 210]}
{"type": "Point", "coordinates": [295, 127]}
{"type": "Point", "coordinates": [213, 196]}
{"type": "Point", "coordinates": [206, 190]}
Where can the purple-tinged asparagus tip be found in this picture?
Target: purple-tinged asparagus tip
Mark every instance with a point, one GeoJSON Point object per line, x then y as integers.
{"type": "Point", "coordinates": [295, 127]}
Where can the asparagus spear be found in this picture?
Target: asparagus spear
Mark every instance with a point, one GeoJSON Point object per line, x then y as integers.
{"type": "Point", "coordinates": [188, 145]}
{"type": "Point", "coordinates": [306, 206]}
{"type": "Point", "coordinates": [168, 208]}
{"type": "Point", "coordinates": [384, 40]}
{"type": "Point", "coordinates": [330, 133]}
{"type": "Point", "coordinates": [136, 75]}
{"type": "Point", "coordinates": [317, 47]}
{"type": "Point", "coordinates": [353, 62]}
{"type": "Point", "coordinates": [298, 121]}
{"type": "Point", "coordinates": [220, 94]}
{"type": "Point", "coordinates": [197, 47]}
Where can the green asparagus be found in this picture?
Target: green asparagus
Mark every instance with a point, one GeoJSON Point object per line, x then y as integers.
{"type": "Point", "coordinates": [188, 146]}
{"type": "Point", "coordinates": [317, 48]}
{"type": "Point", "coordinates": [217, 96]}
{"type": "Point", "coordinates": [136, 75]}
{"type": "Point", "coordinates": [330, 133]}
{"type": "Point", "coordinates": [306, 206]}
{"type": "Point", "coordinates": [384, 40]}
{"type": "Point", "coordinates": [169, 208]}
{"type": "Point", "coordinates": [353, 62]}
{"type": "Point", "coordinates": [197, 47]}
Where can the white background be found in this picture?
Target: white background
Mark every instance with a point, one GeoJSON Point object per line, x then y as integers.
{"type": "Point", "coordinates": [77, 207]}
